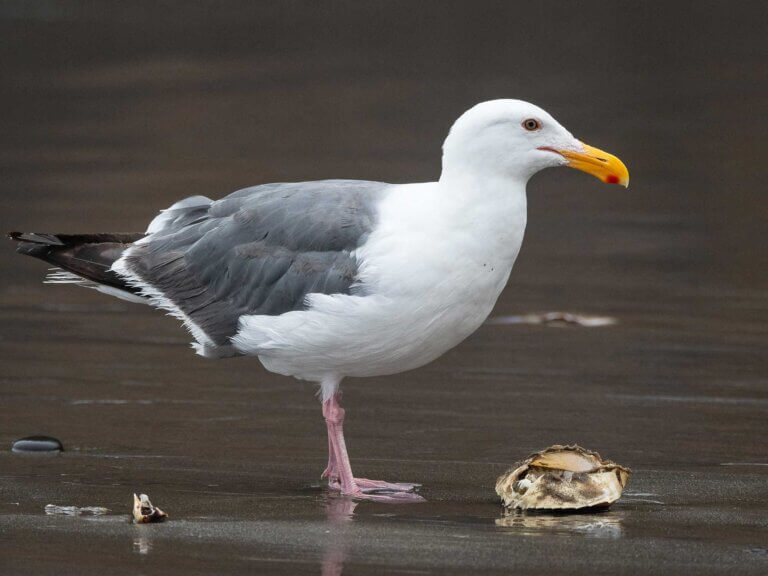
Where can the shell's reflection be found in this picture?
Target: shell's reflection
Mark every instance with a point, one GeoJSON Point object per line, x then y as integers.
{"type": "Point", "coordinates": [142, 541]}
{"type": "Point", "coordinates": [599, 525]}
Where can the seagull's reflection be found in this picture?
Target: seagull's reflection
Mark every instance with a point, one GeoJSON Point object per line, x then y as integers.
{"type": "Point", "coordinates": [597, 525]}
{"type": "Point", "coordinates": [339, 511]}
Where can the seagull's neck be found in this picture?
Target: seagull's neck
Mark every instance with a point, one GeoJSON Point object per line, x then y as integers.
{"type": "Point", "coordinates": [494, 208]}
{"type": "Point", "coordinates": [468, 186]}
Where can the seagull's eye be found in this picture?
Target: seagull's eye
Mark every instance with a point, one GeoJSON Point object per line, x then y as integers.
{"type": "Point", "coordinates": [531, 124]}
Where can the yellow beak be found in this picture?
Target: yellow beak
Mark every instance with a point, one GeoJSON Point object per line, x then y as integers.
{"type": "Point", "coordinates": [602, 165]}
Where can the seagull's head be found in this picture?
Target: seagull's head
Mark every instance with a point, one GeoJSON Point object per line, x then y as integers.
{"type": "Point", "coordinates": [515, 139]}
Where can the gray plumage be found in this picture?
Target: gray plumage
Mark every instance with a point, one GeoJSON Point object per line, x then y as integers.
{"type": "Point", "coordinates": [260, 250]}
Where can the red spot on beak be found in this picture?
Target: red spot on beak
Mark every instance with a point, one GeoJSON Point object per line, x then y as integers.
{"type": "Point", "coordinates": [612, 179]}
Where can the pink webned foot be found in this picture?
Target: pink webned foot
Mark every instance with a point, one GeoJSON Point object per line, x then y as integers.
{"type": "Point", "coordinates": [339, 470]}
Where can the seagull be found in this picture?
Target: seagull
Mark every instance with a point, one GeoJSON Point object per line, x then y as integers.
{"type": "Point", "coordinates": [331, 279]}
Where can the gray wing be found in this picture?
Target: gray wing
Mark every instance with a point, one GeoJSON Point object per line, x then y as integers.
{"type": "Point", "coordinates": [260, 250]}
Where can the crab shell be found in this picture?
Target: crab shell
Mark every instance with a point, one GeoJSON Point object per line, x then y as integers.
{"type": "Point", "coordinates": [562, 478]}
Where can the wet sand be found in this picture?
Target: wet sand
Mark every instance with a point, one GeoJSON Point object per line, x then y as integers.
{"type": "Point", "coordinates": [111, 115]}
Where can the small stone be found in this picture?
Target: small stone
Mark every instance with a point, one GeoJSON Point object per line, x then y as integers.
{"type": "Point", "coordinates": [37, 444]}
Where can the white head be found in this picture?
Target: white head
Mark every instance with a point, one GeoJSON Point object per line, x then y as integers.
{"type": "Point", "coordinates": [515, 139]}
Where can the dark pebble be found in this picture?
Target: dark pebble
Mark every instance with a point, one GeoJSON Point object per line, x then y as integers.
{"type": "Point", "coordinates": [37, 444]}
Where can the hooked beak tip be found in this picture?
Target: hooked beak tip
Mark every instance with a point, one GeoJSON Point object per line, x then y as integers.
{"type": "Point", "coordinates": [600, 164]}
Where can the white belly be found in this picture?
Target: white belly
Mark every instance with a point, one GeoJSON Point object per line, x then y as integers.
{"type": "Point", "coordinates": [366, 335]}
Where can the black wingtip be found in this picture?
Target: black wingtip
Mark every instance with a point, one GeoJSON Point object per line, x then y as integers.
{"type": "Point", "coordinates": [36, 238]}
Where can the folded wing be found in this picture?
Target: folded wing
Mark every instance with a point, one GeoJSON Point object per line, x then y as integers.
{"type": "Point", "coordinates": [260, 250]}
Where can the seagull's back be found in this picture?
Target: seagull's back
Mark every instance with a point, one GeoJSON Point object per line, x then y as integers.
{"type": "Point", "coordinates": [258, 252]}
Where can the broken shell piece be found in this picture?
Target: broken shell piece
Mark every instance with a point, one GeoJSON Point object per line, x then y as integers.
{"type": "Point", "coordinates": [144, 512]}
{"type": "Point", "coordinates": [562, 478]}
{"type": "Point", "coordinates": [53, 509]}
{"type": "Point", "coordinates": [555, 319]}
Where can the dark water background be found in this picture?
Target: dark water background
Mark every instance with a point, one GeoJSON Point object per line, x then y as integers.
{"type": "Point", "coordinates": [111, 112]}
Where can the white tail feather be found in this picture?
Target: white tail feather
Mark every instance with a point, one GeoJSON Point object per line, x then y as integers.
{"type": "Point", "coordinates": [59, 276]}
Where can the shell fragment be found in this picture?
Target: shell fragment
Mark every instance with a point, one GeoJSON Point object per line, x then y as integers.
{"type": "Point", "coordinates": [53, 509]}
{"type": "Point", "coordinates": [562, 478]}
{"type": "Point", "coordinates": [144, 512]}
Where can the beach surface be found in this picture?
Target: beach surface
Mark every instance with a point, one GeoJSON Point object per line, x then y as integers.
{"type": "Point", "coordinates": [112, 113]}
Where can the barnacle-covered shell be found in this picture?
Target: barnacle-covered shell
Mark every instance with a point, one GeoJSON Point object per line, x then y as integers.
{"type": "Point", "coordinates": [144, 512]}
{"type": "Point", "coordinates": [562, 478]}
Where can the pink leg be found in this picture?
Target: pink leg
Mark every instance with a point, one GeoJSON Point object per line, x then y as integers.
{"type": "Point", "coordinates": [330, 470]}
{"type": "Point", "coordinates": [339, 470]}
